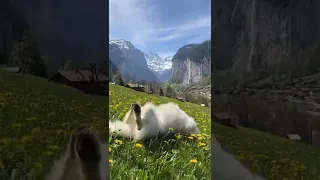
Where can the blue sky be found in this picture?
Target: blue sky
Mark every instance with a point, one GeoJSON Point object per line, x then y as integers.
{"type": "Point", "coordinates": [160, 26]}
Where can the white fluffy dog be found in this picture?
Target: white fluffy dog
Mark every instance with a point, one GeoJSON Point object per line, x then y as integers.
{"type": "Point", "coordinates": [150, 120]}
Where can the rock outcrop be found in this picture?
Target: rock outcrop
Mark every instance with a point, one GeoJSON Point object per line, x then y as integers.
{"type": "Point", "coordinates": [13, 23]}
{"type": "Point", "coordinates": [191, 63]}
{"type": "Point", "coordinates": [130, 61]}
{"type": "Point", "coordinates": [258, 34]}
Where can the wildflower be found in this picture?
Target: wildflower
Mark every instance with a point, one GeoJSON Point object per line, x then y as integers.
{"type": "Point", "coordinates": [202, 144]}
{"type": "Point", "coordinates": [179, 136]}
{"type": "Point", "coordinates": [139, 145]}
{"type": "Point", "coordinates": [119, 141]}
{"type": "Point", "coordinates": [111, 161]}
{"type": "Point", "coordinates": [199, 135]}
{"type": "Point", "coordinates": [190, 137]}
{"type": "Point", "coordinates": [193, 135]}
{"type": "Point", "coordinates": [109, 149]}
{"type": "Point", "coordinates": [206, 148]}
{"type": "Point", "coordinates": [194, 161]}
{"type": "Point", "coordinates": [205, 134]}
{"type": "Point", "coordinates": [200, 138]}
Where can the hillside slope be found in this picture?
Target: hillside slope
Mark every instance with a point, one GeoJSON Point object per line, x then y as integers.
{"type": "Point", "coordinates": [36, 119]}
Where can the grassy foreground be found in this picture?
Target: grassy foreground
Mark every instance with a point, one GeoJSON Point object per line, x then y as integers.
{"type": "Point", "coordinates": [183, 158]}
{"type": "Point", "coordinates": [272, 156]}
{"type": "Point", "coordinates": [36, 117]}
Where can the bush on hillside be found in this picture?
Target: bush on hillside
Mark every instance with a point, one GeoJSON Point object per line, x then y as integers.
{"type": "Point", "coordinates": [118, 79]}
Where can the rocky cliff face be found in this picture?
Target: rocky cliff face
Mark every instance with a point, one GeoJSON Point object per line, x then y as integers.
{"type": "Point", "coordinates": [191, 65]}
{"type": "Point", "coordinates": [75, 30]}
{"type": "Point", "coordinates": [130, 61]}
{"type": "Point", "coordinates": [257, 34]}
{"type": "Point", "coordinates": [187, 71]}
{"type": "Point", "coordinates": [12, 25]}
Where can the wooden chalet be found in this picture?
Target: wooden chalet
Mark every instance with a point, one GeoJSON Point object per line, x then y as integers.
{"type": "Point", "coordinates": [13, 69]}
{"type": "Point", "coordinates": [182, 99]}
{"type": "Point", "coordinates": [223, 118]}
{"type": "Point", "coordinates": [135, 86]}
{"type": "Point", "coordinates": [84, 80]}
{"type": "Point", "coordinates": [294, 137]}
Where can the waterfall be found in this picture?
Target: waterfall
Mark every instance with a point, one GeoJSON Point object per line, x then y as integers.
{"type": "Point", "coordinates": [189, 70]}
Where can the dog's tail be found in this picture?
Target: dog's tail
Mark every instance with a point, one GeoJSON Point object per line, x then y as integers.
{"type": "Point", "coordinates": [121, 128]}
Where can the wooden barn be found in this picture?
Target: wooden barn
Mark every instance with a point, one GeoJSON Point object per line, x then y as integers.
{"type": "Point", "coordinates": [182, 99]}
{"type": "Point", "coordinates": [136, 86]}
{"type": "Point", "coordinates": [84, 80]}
{"type": "Point", "coordinates": [13, 69]}
{"type": "Point", "coordinates": [223, 118]}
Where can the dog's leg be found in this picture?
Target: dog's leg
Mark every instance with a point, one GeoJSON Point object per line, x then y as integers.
{"type": "Point", "coordinates": [137, 114]}
{"type": "Point", "coordinates": [88, 149]}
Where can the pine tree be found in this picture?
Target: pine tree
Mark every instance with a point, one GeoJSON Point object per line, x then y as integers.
{"type": "Point", "coordinates": [118, 79]}
{"type": "Point", "coordinates": [26, 55]}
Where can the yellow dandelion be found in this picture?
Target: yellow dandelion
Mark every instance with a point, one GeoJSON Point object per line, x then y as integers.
{"type": "Point", "coordinates": [118, 141]}
{"type": "Point", "coordinates": [179, 136]}
{"type": "Point", "coordinates": [190, 137]}
{"type": "Point", "coordinates": [194, 161]}
{"type": "Point", "coordinates": [200, 138]}
{"type": "Point", "coordinates": [205, 134]}
{"type": "Point", "coordinates": [109, 149]}
{"type": "Point", "coordinates": [193, 135]}
{"type": "Point", "coordinates": [206, 148]}
{"type": "Point", "coordinates": [199, 135]}
{"type": "Point", "coordinates": [111, 161]}
{"type": "Point", "coordinates": [139, 145]}
{"type": "Point", "coordinates": [202, 144]}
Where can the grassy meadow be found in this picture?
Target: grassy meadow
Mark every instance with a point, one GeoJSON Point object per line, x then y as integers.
{"type": "Point", "coordinates": [36, 117]}
{"type": "Point", "coordinates": [186, 157]}
{"type": "Point", "coordinates": [272, 156]}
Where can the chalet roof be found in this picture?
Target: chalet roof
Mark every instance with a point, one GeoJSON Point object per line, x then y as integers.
{"type": "Point", "coordinates": [182, 98]}
{"type": "Point", "coordinates": [134, 85]}
{"type": "Point", "coordinates": [294, 136]}
{"type": "Point", "coordinates": [81, 75]}
{"type": "Point", "coordinates": [222, 116]}
{"type": "Point", "coordinates": [12, 69]}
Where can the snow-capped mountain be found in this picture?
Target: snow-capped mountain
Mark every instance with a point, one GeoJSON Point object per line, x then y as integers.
{"type": "Point", "coordinates": [156, 63]}
{"type": "Point", "coordinates": [130, 61]}
{"type": "Point", "coordinates": [122, 44]}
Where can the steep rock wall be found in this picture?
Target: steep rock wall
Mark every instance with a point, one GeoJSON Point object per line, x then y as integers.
{"type": "Point", "coordinates": [257, 34]}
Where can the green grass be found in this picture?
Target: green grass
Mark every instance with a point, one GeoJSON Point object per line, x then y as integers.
{"type": "Point", "coordinates": [36, 117]}
{"type": "Point", "coordinates": [158, 158]}
{"type": "Point", "coordinates": [272, 156]}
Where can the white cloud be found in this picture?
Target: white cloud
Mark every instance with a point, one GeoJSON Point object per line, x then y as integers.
{"type": "Point", "coordinates": [136, 21]}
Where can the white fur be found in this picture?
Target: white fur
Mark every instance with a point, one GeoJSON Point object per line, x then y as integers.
{"type": "Point", "coordinates": [68, 168]}
{"type": "Point", "coordinates": [156, 120]}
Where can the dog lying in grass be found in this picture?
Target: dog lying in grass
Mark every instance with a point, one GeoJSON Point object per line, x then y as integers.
{"type": "Point", "coordinates": [86, 158]}
{"type": "Point", "coordinates": [148, 121]}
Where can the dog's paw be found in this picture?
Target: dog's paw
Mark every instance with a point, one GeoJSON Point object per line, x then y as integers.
{"type": "Point", "coordinates": [88, 146]}
{"type": "Point", "coordinates": [136, 107]}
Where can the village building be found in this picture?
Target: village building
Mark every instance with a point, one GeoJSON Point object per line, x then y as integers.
{"type": "Point", "coordinates": [84, 80]}
{"type": "Point", "coordinates": [135, 86]}
{"type": "Point", "coordinates": [182, 99]}
{"type": "Point", "coordinates": [223, 119]}
{"type": "Point", "coordinates": [13, 69]}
